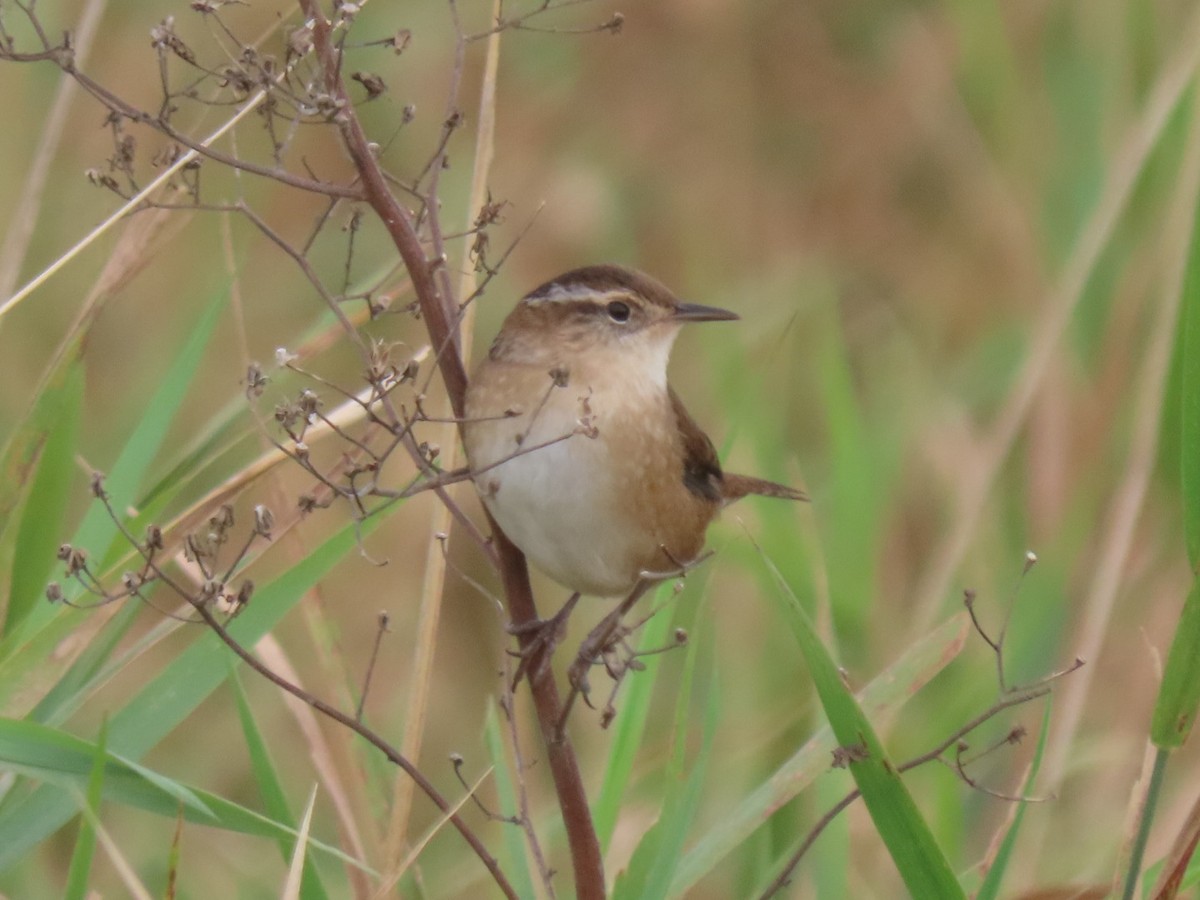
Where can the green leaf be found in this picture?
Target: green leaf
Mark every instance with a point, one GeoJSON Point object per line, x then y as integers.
{"type": "Point", "coordinates": [859, 489]}
{"type": "Point", "coordinates": [271, 788]}
{"type": "Point", "coordinates": [31, 643]}
{"type": "Point", "coordinates": [882, 698]}
{"type": "Point", "coordinates": [516, 865]}
{"type": "Point", "coordinates": [171, 697]}
{"type": "Point", "coordinates": [657, 856]}
{"type": "Point", "coordinates": [1179, 693]}
{"type": "Point", "coordinates": [1189, 422]}
{"type": "Point", "coordinates": [68, 763]}
{"type": "Point", "coordinates": [72, 690]}
{"type": "Point", "coordinates": [630, 725]}
{"type": "Point", "coordinates": [911, 844]}
{"type": "Point", "coordinates": [50, 755]}
{"type": "Point", "coordinates": [25, 445]}
{"type": "Point", "coordinates": [990, 889]}
{"type": "Point", "coordinates": [41, 527]}
{"type": "Point", "coordinates": [85, 842]}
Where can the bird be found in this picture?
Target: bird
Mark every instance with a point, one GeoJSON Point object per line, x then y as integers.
{"type": "Point", "coordinates": [581, 450]}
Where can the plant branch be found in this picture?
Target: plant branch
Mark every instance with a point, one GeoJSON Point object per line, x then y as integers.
{"type": "Point", "coordinates": [440, 314]}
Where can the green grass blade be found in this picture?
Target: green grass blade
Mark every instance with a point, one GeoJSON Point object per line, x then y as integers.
{"type": "Point", "coordinates": [53, 756]}
{"type": "Point", "coordinates": [97, 531]}
{"type": "Point", "coordinates": [630, 725]}
{"type": "Point", "coordinates": [25, 445]}
{"type": "Point", "coordinates": [66, 763]}
{"type": "Point", "coordinates": [270, 787]}
{"type": "Point", "coordinates": [41, 521]}
{"type": "Point", "coordinates": [70, 691]}
{"type": "Point", "coordinates": [517, 864]}
{"type": "Point", "coordinates": [990, 889]}
{"type": "Point", "coordinates": [85, 843]}
{"type": "Point", "coordinates": [883, 697]}
{"type": "Point", "coordinates": [171, 697]}
{"type": "Point", "coordinates": [652, 867]}
{"type": "Point", "coordinates": [859, 488]}
{"type": "Point", "coordinates": [1189, 408]}
{"type": "Point", "coordinates": [1179, 693]}
{"type": "Point", "coordinates": [899, 823]}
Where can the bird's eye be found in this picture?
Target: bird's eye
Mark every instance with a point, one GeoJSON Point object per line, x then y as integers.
{"type": "Point", "coordinates": [618, 311]}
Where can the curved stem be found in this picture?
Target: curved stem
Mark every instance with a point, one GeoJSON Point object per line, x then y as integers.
{"type": "Point", "coordinates": [440, 315]}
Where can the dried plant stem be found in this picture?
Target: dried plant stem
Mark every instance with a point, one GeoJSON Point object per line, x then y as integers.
{"type": "Point", "coordinates": [1014, 698]}
{"type": "Point", "coordinates": [433, 584]}
{"type": "Point", "coordinates": [23, 216]}
{"type": "Point", "coordinates": [441, 319]}
{"type": "Point", "coordinates": [370, 736]}
{"type": "Point", "coordinates": [564, 765]}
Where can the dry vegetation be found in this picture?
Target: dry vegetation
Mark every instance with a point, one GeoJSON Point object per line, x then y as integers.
{"type": "Point", "coordinates": [959, 238]}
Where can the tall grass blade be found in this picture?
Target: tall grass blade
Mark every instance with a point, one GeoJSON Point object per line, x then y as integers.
{"type": "Point", "coordinates": [270, 786]}
{"type": "Point", "coordinates": [41, 520]}
{"type": "Point", "coordinates": [652, 868]}
{"type": "Point", "coordinates": [882, 698]}
{"type": "Point", "coordinates": [1179, 694]}
{"type": "Point", "coordinates": [516, 866]}
{"type": "Point", "coordinates": [85, 842]}
{"type": "Point", "coordinates": [990, 889]}
{"type": "Point", "coordinates": [630, 726]}
{"type": "Point", "coordinates": [903, 830]}
{"type": "Point", "coordinates": [171, 697]}
{"type": "Point", "coordinates": [98, 532]}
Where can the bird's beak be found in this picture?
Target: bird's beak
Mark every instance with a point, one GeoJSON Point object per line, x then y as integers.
{"type": "Point", "coordinates": [694, 312]}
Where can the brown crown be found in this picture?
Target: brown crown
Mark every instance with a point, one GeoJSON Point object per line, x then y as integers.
{"type": "Point", "coordinates": [606, 278]}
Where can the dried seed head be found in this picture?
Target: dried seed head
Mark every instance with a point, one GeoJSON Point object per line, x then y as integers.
{"type": "Point", "coordinates": [256, 381]}
{"type": "Point", "coordinates": [308, 404]}
{"type": "Point", "coordinates": [192, 550]}
{"type": "Point", "coordinates": [154, 538]}
{"type": "Point", "coordinates": [74, 557]}
{"type": "Point", "coordinates": [300, 41]}
{"type": "Point", "coordinates": [400, 40]}
{"type": "Point", "coordinates": [373, 83]}
{"type": "Point", "coordinates": [245, 592]}
{"type": "Point", "coordinates": [223, 520]}
{"type": "Point", "coordinates": [54, 592]}
{"type": "Point", "coordinates": [264, 520]}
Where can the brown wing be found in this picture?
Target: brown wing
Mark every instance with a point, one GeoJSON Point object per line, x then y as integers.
{"type": "Point", "coordinates": [701, 468]}
{"type": "Point", "coordinates": [702, 473]}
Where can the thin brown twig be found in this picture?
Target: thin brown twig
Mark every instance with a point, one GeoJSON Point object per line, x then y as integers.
{"type": "Point", "coordinates": [1009, 697]}
{"type": "Point", "coordinates": [201, 605]}
{"type": "Point", "coordinates": [440, 319]}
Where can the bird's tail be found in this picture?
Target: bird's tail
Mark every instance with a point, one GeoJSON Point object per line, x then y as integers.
{"type": "Point", "coordinates": [735, 487]}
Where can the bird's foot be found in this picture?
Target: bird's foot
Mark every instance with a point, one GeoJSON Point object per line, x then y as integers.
{"type": "Point", "coordinates": [538, 639]}
{"type": "Point", "coordinates": [605, 644]}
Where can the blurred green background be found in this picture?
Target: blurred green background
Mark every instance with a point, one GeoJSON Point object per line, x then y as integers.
{"type": "Point", "coordinates": [899, 199]}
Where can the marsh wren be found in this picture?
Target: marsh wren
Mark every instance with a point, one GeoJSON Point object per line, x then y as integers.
{"type": "Point", "coordinates": [579, 448]}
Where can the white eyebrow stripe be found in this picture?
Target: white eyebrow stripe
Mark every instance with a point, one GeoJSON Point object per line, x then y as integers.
{"type": "Point", "coordinates": [566, 293]}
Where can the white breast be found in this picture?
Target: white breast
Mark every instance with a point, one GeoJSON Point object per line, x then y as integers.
{"type": "Point", "coordinates": [556, 501]}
